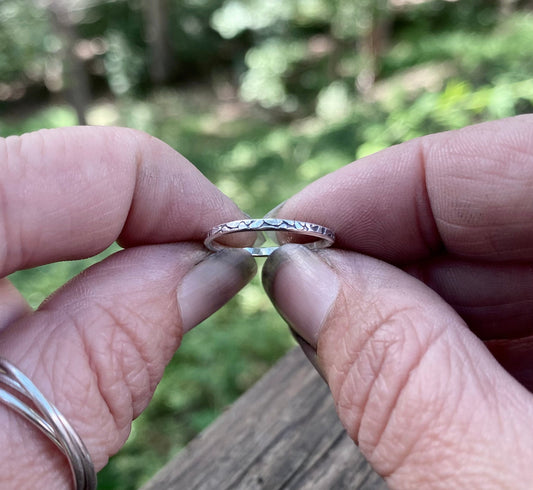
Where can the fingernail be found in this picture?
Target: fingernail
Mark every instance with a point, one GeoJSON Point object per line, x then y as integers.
{"type": "Point", "coordinates": [302, 287]}
{"type": "Point", "coordinates": [213, 282]}
{"type": "Point", "coordinates": [274, 212]}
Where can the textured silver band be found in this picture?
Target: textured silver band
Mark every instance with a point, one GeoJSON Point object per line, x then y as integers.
{"type": "Point", "coordinates": [325, 236]}
{"type": "Point", "coordinates": [49, 420]}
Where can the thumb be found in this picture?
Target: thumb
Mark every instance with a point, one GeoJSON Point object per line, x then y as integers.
{"type": "Point", "coordinates": [421, 395]}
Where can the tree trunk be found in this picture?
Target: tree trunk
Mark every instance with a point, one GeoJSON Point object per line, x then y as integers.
{"type": "Point", "coordinates": [371, 45]}
{"type": "Point", "coordinates": [76, 78]}
{"type": "Point", "coordinates": [156, 15]}
{"type": "Point", "coordinates": [507, 7]}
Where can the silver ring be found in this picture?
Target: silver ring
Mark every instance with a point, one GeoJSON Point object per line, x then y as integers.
{"type": "Point", "coordinates": [325, 236]}
{"type": "Point", "coordinates": [49, 420]}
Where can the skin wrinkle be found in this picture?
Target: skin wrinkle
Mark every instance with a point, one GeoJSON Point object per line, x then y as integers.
{"type": "Point", "coordinates": [501, 170]}
{"type": "Point", "coordinates": [456, 378]}
{"type": "Point", "coordinates": [352, 361]}
{"type": "Point", "coordinates": [115, 411]}
{"type": "Point", "coordinates": [122, 380]}
{"type": "Point", "coordinates": [417, 217]}
{"type": "Point", "coordinates": [439, 149]}
{"type": "Point", "coordinates": [342, 374]}
{"type": "Point", "coordinates": [4, 161]}
{"type": "Point", "coordinates": [443, 406]}
{"type": "Point", "coordinates": [520, 447]}
{"type": "Point", "coordinates": [483, 386]}
{"type": "Point", "coordinates": [33, 146]}
{"type": "Point", "coordinates": [344, 401]}
{"type": "Point", "coordinates": [3, 225]}
{"type": "Point", "coordinates": [12, 145]}
{"type": "Point", "coordinates": [438, 440]}
{"type": "Point", "coordinates": [50, 457]}
{"type": "Point", "coordinates": [124, 326]}
{"type": "Point", "coordinates": [466, 154]}
{"type": "Point", "coordinates": [477, 310]}
{"type": "Point", "coordinates": [475, 248]}
{"type": "Point", "coordinates": [141, 177]}
{"type": "Point", "coordinates": [11, 477]}
{"type": "Point", "coordinates": [63, 374]}
{"type": "Point", "coordinates": [495, 299]}
{"type": "Point", "coordinates": [429, 233]}
{"type": "Point", "coordinates": [411, 372]}
{"type": "Point", "coordinates": [72, 325]}
{"type": "Point", "coordinates": [424, 223]}
{"type": "Point", "coordinates": [489, 303]}
{"type": "Point", "coordinates": [120, 409]}
{"type": "Point", "coordinates": [498, 247]}
{"type": "Point", "coordinates": [175, 185]}
{"type": "Point", "coordinates": [110, 140]}
{"type": "Point", "coordinates": [484, 382]}
{"type": "Point", "coordinates": [432, 340]}
{"type": "Point", "coordinates": [32, 151]}
{"type": "Point", "coordinates": [50, 368]}
{"type": "Point", "coordinates": [381, 349]}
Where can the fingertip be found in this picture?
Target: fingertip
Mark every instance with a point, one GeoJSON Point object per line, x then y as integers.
{"type": "Point", "coordinates": [302, 287]}
{"type": "Point", "coordinates": [211, 283]}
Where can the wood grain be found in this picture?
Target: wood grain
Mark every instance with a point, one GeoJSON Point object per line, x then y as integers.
{"type": "Point", "coordinates": [282, 434]}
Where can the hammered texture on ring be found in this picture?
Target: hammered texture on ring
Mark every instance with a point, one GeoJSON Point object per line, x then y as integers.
{"type": "Point", "coordinates": [324, 236]}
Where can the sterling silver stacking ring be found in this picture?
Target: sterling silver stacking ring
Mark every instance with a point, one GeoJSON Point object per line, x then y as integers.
{"type": "Point", "coordinates": [49, 420]}
{"type": "Point", "coordinates": [324, 236]}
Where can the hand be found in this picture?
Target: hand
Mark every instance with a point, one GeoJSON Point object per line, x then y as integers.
{"type": "Point", "coordinates": [421, 319]}
{"type": "Point", "coordinates": [98, 347]}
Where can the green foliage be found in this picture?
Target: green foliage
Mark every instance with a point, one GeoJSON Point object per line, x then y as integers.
{"type": "Point", "coordinates": [50, 117]}
{"type": "Point", "coordinates": [26, 40]}
{"type": "Point", "coordinates": [123, 65]}
{"type": "Point", "coordinates": [304, 50]}
{"type": "Point", "coordinates": [267, 64]}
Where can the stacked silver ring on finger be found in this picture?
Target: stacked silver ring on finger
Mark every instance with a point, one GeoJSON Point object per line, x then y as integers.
{"type": "Point", "coordinates": [49, 420]}
{"type": "Point", "coordinates": [324, 236]}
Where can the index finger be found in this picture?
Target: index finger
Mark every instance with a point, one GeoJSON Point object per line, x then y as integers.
{"type": "Point", "coordinates": [467, 192]}
{"type": "Point", "coordinates": [69, 193]}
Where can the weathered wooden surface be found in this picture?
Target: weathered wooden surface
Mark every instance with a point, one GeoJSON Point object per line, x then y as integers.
{"type": "Point", "coordinates": [282, 434]}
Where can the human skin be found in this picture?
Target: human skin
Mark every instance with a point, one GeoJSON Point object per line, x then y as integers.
{"type": "Point", "coordinates": [98, 347]}
{"type": "Point", "coordinates": [420, 318]}
{"type": "Point", "coordinates": [426, 230]}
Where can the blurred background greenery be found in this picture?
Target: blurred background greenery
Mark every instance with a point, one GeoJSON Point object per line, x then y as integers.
{"type": "Point", "coordinates": [264, 96]}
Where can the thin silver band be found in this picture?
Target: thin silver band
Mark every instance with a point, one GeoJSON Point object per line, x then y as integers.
{"type": "Point", "coordinates": [325, 236]}
{"type": "Point", "coordinates": [49, 420]}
